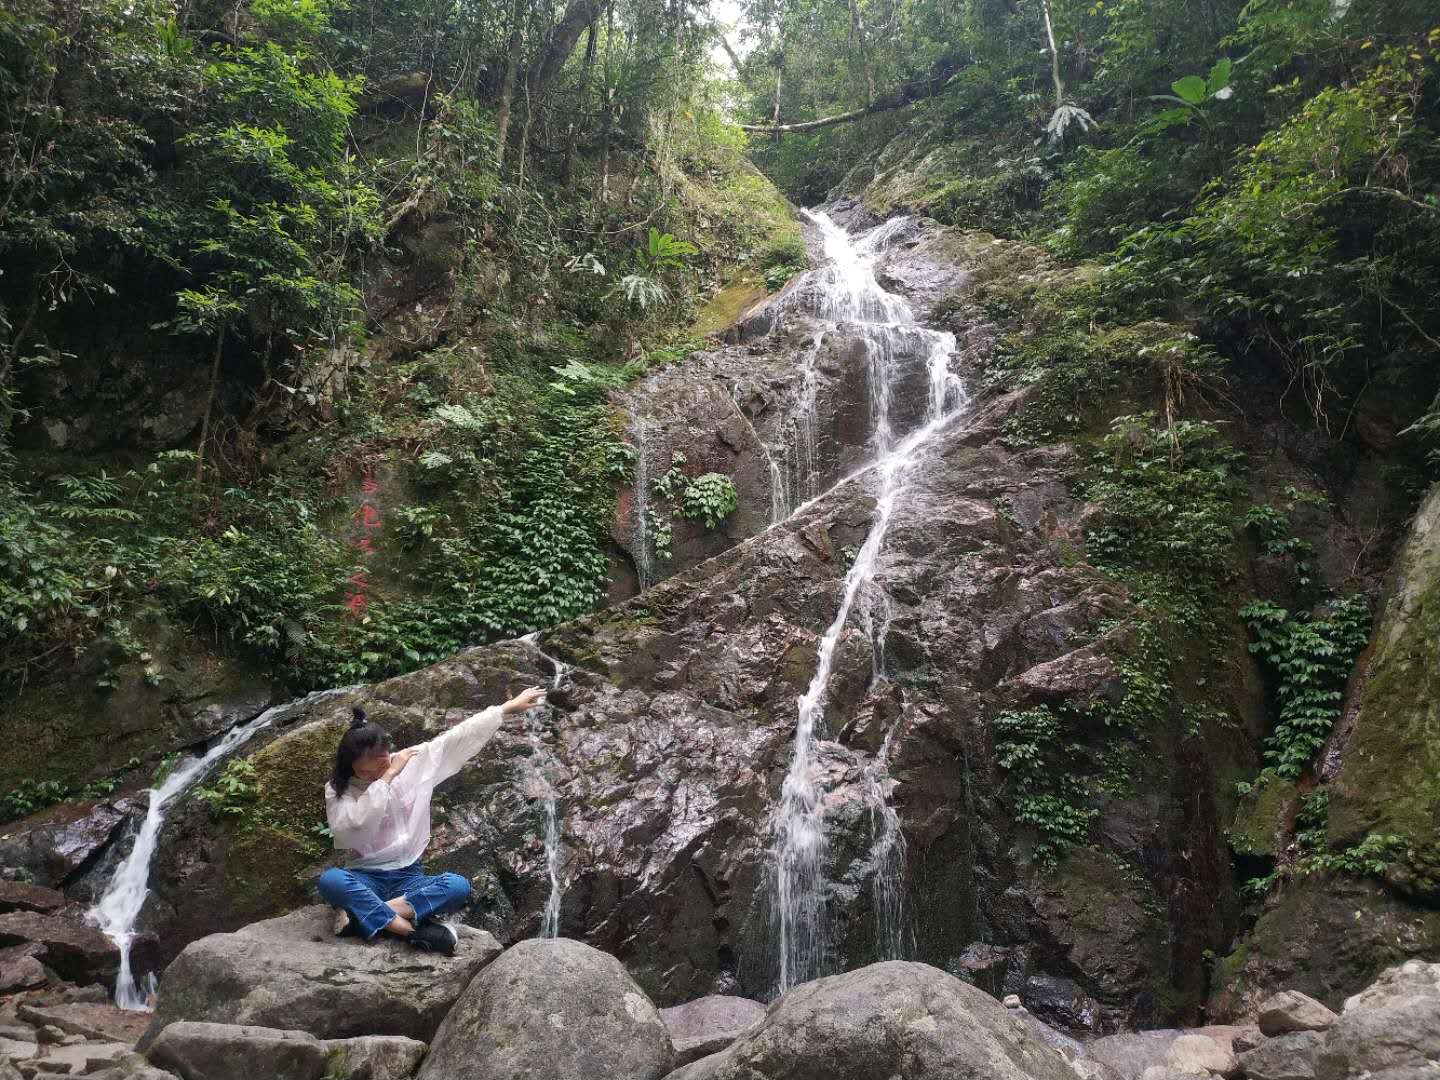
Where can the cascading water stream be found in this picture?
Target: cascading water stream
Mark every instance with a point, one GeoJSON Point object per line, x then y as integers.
{"type": "Point", "coordinates": [887, 856]}
{"type": "Point", "coordinates": [640, 542]}
{"type": "Point", "coordinates": [550, 917]}
{"type": "Point", "coordinates": [802, 424]}
{"type": "Point", "coordinates": [119, 906]}
{"type": "Point", "coordinates": [849, 296]}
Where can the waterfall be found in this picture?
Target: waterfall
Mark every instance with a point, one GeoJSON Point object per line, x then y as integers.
{"type": "Point", "coordinates": [887, 857]}
{"type": "Point", "coordinates": [118, 908]}
{"type": "Point", "coordinates": [640, 540]}
{"type": "Point", "coordinates": [802, 425]}
{"type": "Point", "coordinates": [550, 917]}
{"type": "Point", "coordinates": [847, 294]}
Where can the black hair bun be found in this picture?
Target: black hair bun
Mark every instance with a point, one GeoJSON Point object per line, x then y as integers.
{"type": "Point", "coordinates": [360, 718]}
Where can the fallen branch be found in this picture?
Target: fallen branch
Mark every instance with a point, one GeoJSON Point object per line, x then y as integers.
{"type": "Point", "coordinates": [941, 76]}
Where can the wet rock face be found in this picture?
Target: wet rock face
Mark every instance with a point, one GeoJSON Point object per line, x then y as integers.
{"type": "Point", "coordinates": [668, 746]}
{"type": "Point", "coordinates": [784, 410]}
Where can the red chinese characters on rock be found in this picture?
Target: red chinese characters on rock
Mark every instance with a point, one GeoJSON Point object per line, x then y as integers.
{"type": "Point", "coordinates": [366, 517]}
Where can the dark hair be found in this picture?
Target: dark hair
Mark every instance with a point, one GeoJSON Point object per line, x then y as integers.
{"type": "Point", "coordinates": [361, 739]}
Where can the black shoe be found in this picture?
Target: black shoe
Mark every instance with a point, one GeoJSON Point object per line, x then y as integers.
{"type": "Point", "coordinates": [350, 927]}
{"type": "Point", "coordinates": [434, 937]}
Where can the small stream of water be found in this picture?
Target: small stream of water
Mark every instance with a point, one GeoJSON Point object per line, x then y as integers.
{"type": "Point", "coordinates": [119, 906]}
{"type": "Point", "coordinates": [540, 758]}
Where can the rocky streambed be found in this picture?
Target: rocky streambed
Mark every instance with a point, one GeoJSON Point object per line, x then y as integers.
{"type": "Point", "coordinates": [286, 1000]}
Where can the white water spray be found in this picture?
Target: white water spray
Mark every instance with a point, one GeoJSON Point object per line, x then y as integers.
{"type": "Point", "coordinates": [550, 917]}
{"type": "Point", "coordinates": [640, 541]}
{"type": "Point", "coordinates": [118, 908]}
{"type": "Point", "coordinates": [848, 294]}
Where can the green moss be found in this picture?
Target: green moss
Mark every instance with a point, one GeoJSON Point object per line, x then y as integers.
{"type": "Point", "coordinates": [290, 777]}
{"type": "Point", "coordinates": [267, 871]}
{"type": "Point", "coordinates": [1229, 968]}
{"type": "Point", "coordinates": [1389, 783]}
{"type": "Point", "coordinates": [726, 307]}
{"type": "Point", "coordinates": [1264, 816]}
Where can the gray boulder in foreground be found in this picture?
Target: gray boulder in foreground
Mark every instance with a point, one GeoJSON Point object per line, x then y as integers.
{"type": "Point", "coordinates": [1286, 1057]}
{"type": "Point", "coordinates": [890, 1021]}
{"type": "Point", "coordinates": [1391, 1025]}
{"type": "Point", "coordinates": [200, 1051]}
{"type": "Point", "coordinates": [709, 1024]}
{"type": "Point", "coordinates": [551, 1010]}
{"type": "Point", "coordinates": [292, 973]}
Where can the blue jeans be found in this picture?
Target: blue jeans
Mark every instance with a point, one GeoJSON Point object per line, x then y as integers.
{"type": "Point", "coordinates": [363, 894]}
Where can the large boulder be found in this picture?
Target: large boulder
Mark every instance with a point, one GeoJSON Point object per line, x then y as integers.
{"type": "Point", "coordinates": [1285, 1057]}
{"type": "Point", "coordinates": [1392, 1024]}
{"type": "Point", "coordinates": [54, 845]}
{"type": "Point", "coordinates": [1291, 1010]}
{"type": "Point", "coordinates": [20, 967]}
{"type": "Point", "coordinates": [889, 1021]}
{"type": "Point", "coordinates": [199, 1051]}
{"type": "Point", "coordinates": [21, 896]}
{"type": "Point", "coordinates": [1132, 1054]}
{"type": "Point", "coordinates": [551, 1010]}
{"type": "Point", "coordinates": [375, 1057]}
{"type": "Point", "coordinates": [709, 1024]}
{"type": "Point", "coordinates": [291, 972]}
{"type": "Point", "coordinates": [75, 951]}
{"type": "Point", "coordinates": [1195, 1055]}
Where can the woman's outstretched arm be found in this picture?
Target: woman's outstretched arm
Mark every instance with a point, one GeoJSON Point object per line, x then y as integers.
{"type": "Point", "coordinates": [443, 756]}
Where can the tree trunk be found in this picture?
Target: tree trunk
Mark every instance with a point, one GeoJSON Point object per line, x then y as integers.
{"type": "Point", "coordinates": [609, 111]}
{"type": "Point", "coordinates": [730, 52]}
{"type": "Point", "coordinates": [578, 16]}
{"type": "Point", "coordinates": [1054, 55]}
{"type": "Point", "coordinates": [857, 24]}
{"type": "Point", "coordinates": [507, 85]}
{"type": "Point", "coordinates": [209, 405]}
{"type": "Point", "coordinates": [584, 92]}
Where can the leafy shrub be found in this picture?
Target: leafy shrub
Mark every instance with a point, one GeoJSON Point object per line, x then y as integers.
{"type": "Point", "coordinates": [1168, 494]}
{"type": "Point", "coordinates": [1312, 657]}
{"type": "Point", "coordinates": [1029, 746]}
{"type": "Point", "coordinates": [232, 790]}
{"type": "Point", "coordinates": [709, 498]}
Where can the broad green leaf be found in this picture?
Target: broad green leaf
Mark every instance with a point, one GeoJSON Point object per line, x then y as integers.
{"type": "Point", "coordinates": [1219, 76]}
{"type": "Point", "coordinates": [1191, 89]}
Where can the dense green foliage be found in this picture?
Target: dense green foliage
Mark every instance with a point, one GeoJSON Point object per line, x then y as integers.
{"type": "Point", "coordinates": [1266, 169]}
{"type": "Point", "coordinates": [1312, 657]}
{"type": "Point", "coordinates": [253, 258]}
{"type": "Point", "coordinates": [1032, 747]}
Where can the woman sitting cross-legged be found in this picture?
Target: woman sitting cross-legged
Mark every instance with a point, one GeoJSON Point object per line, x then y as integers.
{"type": "Point", "coordinates": [378, 806]}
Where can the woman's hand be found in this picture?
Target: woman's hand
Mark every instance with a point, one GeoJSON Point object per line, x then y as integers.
{"type": "Point", "coordinates": [398, 760]}
{"type": "Point", "coordinates": [525, 700]}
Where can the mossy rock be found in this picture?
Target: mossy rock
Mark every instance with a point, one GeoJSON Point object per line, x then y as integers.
{"type": "Point", "coordinates": [290, 776]}
{"type": "Point", "coordinates": [173, 694]}
{"type": "Point", "coordinates": [1264, 817]}
{"type": "Point", "coordinates": [267, 872]}
{"type": "Point", "coordinates": [1106, 917]}
{"type": "Point", "coordinates": [727, 306]}
{"type": "Point", "coordinates": [1325, 935]}
{"type": "Point", "coordinates": [1389, 782]}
